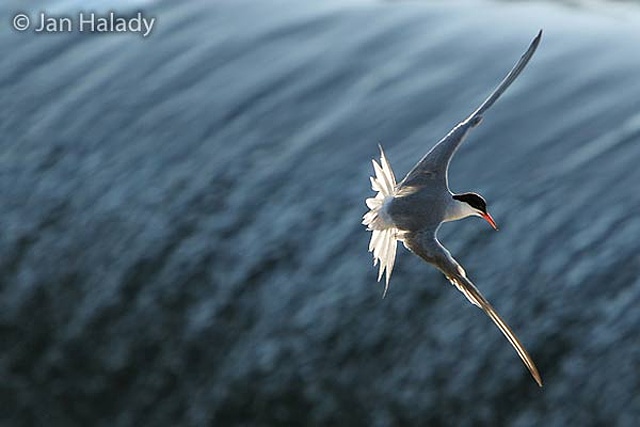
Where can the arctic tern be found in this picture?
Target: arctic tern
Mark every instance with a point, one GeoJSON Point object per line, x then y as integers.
{"type": "Point", "coordinates": [413, 210]}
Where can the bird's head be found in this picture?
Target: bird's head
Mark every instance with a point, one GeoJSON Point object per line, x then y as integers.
{"type": "Point", "coordinates": [474, 204]}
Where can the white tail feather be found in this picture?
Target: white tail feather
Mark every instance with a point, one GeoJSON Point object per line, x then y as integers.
{"type": "Point", "coordinates": [383, 242]}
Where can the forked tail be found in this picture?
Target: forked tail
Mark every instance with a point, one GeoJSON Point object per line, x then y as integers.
{"type": "Point", "coordinates": [383, 242]}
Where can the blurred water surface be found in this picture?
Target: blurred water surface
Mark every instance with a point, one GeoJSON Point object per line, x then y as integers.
{"type": "Point", "coordinates": [181, 240]}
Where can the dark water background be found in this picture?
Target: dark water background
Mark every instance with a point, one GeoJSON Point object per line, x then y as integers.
{"type": "Point", "coordinates": [181, 240]}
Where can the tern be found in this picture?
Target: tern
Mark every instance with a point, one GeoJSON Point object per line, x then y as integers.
{"type": "Point", "coordinates": [413, 210]}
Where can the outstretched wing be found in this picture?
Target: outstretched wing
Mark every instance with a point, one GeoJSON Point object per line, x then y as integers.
{"type": "Point", "coordinates": [435, 163]}
{"type": "Point", "coordinates": [426, 245]}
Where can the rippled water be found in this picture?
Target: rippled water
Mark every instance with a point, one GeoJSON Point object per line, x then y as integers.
{"type": "Point", "coordinates": [181, 215]}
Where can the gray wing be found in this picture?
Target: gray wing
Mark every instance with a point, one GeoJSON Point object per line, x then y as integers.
{"type": "Point", "coordinates": [426, 245]}
{"type": "Point", "coordinates": [435, 163]}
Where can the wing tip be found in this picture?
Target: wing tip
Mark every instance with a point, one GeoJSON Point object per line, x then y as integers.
{"type": "Point", "coordinates": [536, 41]}
{"type": "Point", "coordinates": [536, 376]}
{"type": "Point", "coordinates": [539, 381]}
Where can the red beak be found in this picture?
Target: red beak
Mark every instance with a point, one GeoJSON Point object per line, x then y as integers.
{"type": "Point", "coordinates": [487, 217]}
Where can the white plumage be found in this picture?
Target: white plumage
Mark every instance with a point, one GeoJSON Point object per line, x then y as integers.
{"type": "Point", "coordinates": [384, 235]}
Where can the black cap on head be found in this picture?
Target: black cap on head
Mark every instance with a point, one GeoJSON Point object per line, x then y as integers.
{"type": "Point", "coordinates": [472, 199]}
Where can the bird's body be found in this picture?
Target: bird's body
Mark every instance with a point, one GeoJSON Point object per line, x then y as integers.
{"type": "Point", "coordinates": [412, 211]}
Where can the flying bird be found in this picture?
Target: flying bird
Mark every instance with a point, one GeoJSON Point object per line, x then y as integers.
{"type": "Point", "coordinates": [413, 210]}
